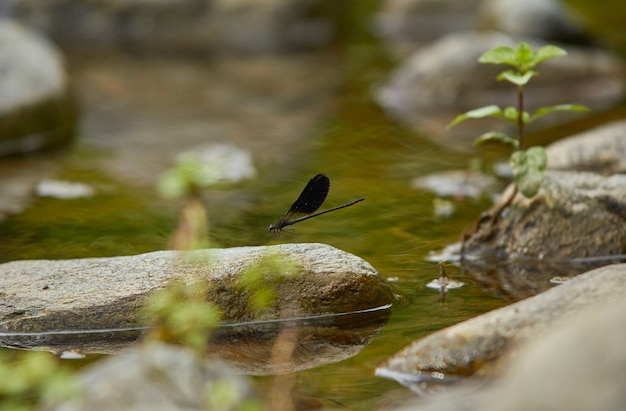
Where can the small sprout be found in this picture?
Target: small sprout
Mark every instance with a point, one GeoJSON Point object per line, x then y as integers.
{"type": "Point", "coordinates": [181, 314]}
{"type": "Point", "coordinates": [443, 284]}
{"type": "Point", "coordinates": [528, 169]}
{"type": "Point", "coordinates": [497, 137]}
{"type": "Point", "coordinates": [29, 377]}
{"type": "Point", "coordinates": [187, 177]}
{"type": "Point", "coordinates": [260, 280]}
{"type": "Point", "coordinates": [528, 165]}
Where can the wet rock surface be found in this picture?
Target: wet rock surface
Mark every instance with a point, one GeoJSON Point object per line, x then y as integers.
{"type": "Point", "coordinates": [332, 302]}
{"type": "Point", "coordinates": [330, 305]}
{"type": "Point", "coordinates": [577, 221]}
{"type": "Point", "coordinates": [100, 293]}
{"type": "Point", "coordinates": [573, 359]}
{"type": "Point", "coordinates": [475, 345]}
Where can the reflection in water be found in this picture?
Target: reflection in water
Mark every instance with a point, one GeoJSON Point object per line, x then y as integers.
{"type": "Point", "coordinates": [443, 284]}
{"type": "Point", "coordinates": [255, 347]}
{"type": "Point", "coordinates": [524, 276]}
{"type": "Point", "coordinates": [258, 348]}
{"type": "Point", "coordinates": [103, 341]}
{"type": "Point", "coordinates": [421, 382]}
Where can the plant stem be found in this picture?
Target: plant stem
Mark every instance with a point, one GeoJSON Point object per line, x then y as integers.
{"type": "Point", "coordinates": [520, 116]}
{"type": "Point", "coordinates": [504, 205]}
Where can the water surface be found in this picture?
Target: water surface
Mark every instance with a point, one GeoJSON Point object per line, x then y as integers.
{"type": "Point", "coordinates": [365, 155]}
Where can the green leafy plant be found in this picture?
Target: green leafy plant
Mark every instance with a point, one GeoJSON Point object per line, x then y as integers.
{"type": "Point", "coordinates": [261, 281]}
{"type": "Point", "coordinates": [181, 313]}
{"type": "Point", "coordinates": [186, 181]}
{"type": "Point", "coordinates": [28, 378]}
{"type": "Point", "coordinates": [528, 165]}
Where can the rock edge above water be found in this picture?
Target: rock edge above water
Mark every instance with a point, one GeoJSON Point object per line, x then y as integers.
{"type": "Point", "coordinates": [465, 348]}
{"type": "Point", "coordinates": [576, 216]}
{"type": "Point", "coordinates": [101, 293]}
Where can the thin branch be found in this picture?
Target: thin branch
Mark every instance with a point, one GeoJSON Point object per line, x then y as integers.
{"type": "Point", "coordinates": [520, 116]}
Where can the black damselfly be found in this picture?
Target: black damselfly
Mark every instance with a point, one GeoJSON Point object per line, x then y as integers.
{"type": "Point", "coordinates": [308, 202]}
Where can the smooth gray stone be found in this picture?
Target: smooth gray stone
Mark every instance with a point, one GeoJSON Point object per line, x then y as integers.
{"type": "Point", "coordinates": [105, 293]}
{"type": "Point", "coordinates": [467, 347]}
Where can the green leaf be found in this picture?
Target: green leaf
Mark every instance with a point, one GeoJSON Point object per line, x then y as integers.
{"type": "Point", "coordinates": [561, 107]}
{"type": "Point", "coordinates": [498, 137]}
{"type": "Point", "coordinates": [499, 55]}
{"type": "Point", "coordinates": [517, 78]}
{"type": "Point", "coordinates": [529, 168]}
{"type": "Point", "coordinates": [524, 56]}
{"type": "Point", "coordinates": [487, 111]}
{"type": "Point", "coordinates": [547, 52]}
{"type": "Point", "coordinates": [510, 113]}
{"type": "Point", "coordinates": [525, 117]}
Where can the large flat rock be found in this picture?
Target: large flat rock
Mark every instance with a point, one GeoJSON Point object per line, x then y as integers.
{"type": "Point", "coordinates": [105, 293]}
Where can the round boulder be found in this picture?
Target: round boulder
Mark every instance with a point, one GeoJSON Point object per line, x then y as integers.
{"type": "Point", "coordinates": [36, 109]}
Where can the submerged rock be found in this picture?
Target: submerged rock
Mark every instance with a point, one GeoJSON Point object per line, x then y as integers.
{"type": "Point", "coordinates": [286, 346]}
{"type": "Point", "coordinates": [457, 183]}
{"type": "Point", "coordinates": [466, 348]}
{"type": "Point", "coordinates": [19, 177]}
{"type": "Point", "coordinates": [64, 190]}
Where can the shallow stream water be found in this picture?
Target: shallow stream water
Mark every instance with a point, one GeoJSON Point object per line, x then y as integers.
{"type": "Point", "coordinates": [363, 152]}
